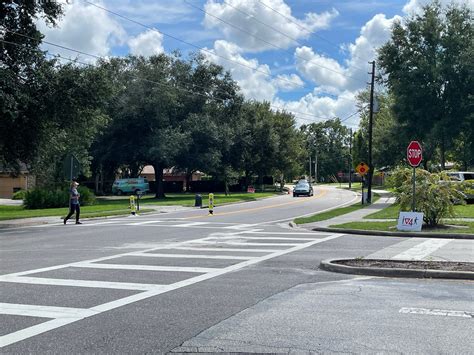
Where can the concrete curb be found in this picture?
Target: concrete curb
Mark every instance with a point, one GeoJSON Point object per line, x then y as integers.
{"type": "Point", "coordinates": [330, 265]}
{"type": "Point", "coordinates": [395, 234]}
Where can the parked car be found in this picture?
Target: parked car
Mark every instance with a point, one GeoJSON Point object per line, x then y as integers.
{"type": "Point", "coordinates": [460, 175]}
{"type": "Point", "coordinates": [127, 186]}
{"type": "Point", "coordinates": [302, 188]}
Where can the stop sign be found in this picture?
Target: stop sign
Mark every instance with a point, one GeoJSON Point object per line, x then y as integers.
{"type": "Point", "coordinates": [414, 153]}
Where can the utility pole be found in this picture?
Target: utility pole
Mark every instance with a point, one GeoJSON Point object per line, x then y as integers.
{"type": "Point", "coordinates": [310, 168]}
{"type": "Point", "coordinates": [350, 160]}
{"type": "Point", "coordinates": [316, 167]}
{"type": "Point", "coordinates": [371, 117]}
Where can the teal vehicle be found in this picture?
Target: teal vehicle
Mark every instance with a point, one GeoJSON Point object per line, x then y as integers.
{"type": "Point", "coordinates": [130, 186]}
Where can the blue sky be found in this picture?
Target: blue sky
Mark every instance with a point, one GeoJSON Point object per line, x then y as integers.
{"type": "Point", "coordinates": [309, 57]}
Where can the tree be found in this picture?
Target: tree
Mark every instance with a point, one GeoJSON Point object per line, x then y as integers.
{"type": "Point", "coordinates": [433, 198]}
{"type": "Point", "coordinates": [290, 147]}
{"type": "Point", "coordinates": [388, 140]}
{"type": "Point", "coordinates": [329, 141]}
{"type": "Point", "coordinates": [427, 67]}
{"type": "Point", "coordinates": [23, 69]}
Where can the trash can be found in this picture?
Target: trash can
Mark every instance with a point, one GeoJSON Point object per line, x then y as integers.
{"type": "Point", "coordinates": [198, 200]}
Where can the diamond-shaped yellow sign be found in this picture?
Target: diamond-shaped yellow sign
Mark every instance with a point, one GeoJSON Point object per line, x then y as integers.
{"type": "Point", "coordinates": [362, 169]}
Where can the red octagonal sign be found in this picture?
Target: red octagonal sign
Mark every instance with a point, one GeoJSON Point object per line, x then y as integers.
{"type": "Point", "coordinates": [414, 153]}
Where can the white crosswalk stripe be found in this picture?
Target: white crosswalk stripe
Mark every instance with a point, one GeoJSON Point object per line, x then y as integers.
{"type": "Point", "coordinates": [64, 315]}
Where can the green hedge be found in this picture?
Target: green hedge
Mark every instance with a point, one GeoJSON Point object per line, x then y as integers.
{"type": "Point", "coordinates": [19, 195]}
{"type": "Point", "coordinates": [47, 198]}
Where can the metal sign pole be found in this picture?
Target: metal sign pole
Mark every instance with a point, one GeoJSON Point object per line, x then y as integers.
{"type": "Point", "coordinates": [414, 183]}
{"type": "Point", "coordinates": [71, 168]}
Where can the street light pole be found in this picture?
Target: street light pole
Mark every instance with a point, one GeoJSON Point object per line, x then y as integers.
{"type": "Point", "coordinates": [371, 116]}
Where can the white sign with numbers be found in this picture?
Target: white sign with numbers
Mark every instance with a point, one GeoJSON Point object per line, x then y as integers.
{"type": "Point", "coordinates": [410, 221]}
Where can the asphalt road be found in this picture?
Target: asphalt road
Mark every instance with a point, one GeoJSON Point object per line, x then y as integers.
{"type": "Point", "coordinates": [238, 281]}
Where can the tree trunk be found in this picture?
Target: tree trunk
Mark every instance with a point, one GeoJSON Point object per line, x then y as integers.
{"type": "Point", "coordinates": [159, 188]}
{"type": "Point", "coordinates": [247, 179]}
{"type": "Point", "coordinates": [443, 154]}
{"type": "Point", "coordinates": [96, 189]}
{"type": "Point", "coordinates": [282, 182]}
{"type": "Point", "coordinates": [188, 181]}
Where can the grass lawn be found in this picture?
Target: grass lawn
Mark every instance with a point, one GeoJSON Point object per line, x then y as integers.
{"type": "Point", "coordinates": [391, 226]}
{"type": "Point", "coordinates": [462, 211]}
{"type": "Point", "coordinates": [333, 213]}
{"type": "Point", "coordinates": [113, 207]}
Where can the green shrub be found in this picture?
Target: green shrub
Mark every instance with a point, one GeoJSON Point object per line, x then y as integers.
{"type": "Point", "coordinates": [87, 196]}
{"type": "Point", "coordinates": [434, 197]}
{"type": "Point", "coordinates": [19, 195]}
{"type": "Point", "coordinates": [468, 189]}
{"type": "Point", "coordinates": [47, 198]}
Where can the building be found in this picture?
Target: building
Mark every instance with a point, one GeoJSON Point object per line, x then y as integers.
{"type": "Point", "coordinates": [11, 182]}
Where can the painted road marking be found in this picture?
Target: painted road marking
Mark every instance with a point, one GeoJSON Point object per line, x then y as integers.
{"type": "Point", "coordinates": [153, 290]}
{"type": "Point", "coordinates": [266, 238]}
{"type": "Point", "coordinates": [79, 283]}
{"type": "Point", "coordinates": [190, 224]}
{"type": "Point", "coordinates": [201, 270]}
{"type": "Point", "coordinates": [422, 250]}
{"type": "Point", "coordinates": [437, 312]}
{"type": "Point", "coordinates": [142, 223]}
{"type": "Point", "coordinates": [229, 249]}
{"type": "Point", "coordinates": [239, 226]}
{"type": "Point", "coordinates": [252, 244]}
{"type": "Point", "coordinates": [193, 256]}
{"type": "Point", "coordinates": [44, 311]}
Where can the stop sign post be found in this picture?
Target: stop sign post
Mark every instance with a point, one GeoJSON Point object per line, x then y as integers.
{"type": "Point", "coordinates": [414, 157]}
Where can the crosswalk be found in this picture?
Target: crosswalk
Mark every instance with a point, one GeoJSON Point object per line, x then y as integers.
{"type": "Point", "coordinates": [185, 263]}
{"type": "Point", "coordinates": [150, 271]}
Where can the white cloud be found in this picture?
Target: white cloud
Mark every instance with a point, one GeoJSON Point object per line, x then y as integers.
{"type": "Point", "coordinates": [315, 108]}
{"type": "Point", "coordinates": [251, 76]}
{"type": "Point", "coordinates": [287, 82]}
{"type": "Point", "coordinates": [85, 28]}
{"type": "Point", "coordinates": [321, 70]}
{"type": "Point", "coordinates": [415, 6]}
{"type": "Point", "coordinates": [261, 21]}
{"type": "Point", "coordinates": [334, 77]}
{"type": "Point", "coordinates": [146, 43]}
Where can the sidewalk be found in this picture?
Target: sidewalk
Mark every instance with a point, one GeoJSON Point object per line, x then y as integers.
{"type": "Point", "coordinates": [384, 201]}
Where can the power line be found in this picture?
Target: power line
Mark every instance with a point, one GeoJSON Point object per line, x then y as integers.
{"type": "Point", "coordinates": [131, 76]}
{"type": "Point", "coordinates": [201, 48]}
{"type": "Point", "coordinates": [282, 33]}
{"type": "Point", "coordinates": [148, 80]}
{"type": "Point", "coordinates": [270, 43]}
{"type": "Point", "coordinates": [304, 28]}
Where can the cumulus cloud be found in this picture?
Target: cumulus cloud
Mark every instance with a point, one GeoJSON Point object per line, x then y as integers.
{"type": "Point", "coordinates": [85, 28]}
{"type": "Point", "coordinates": [335, 77]}
{"type": "Point", "coordinates": [288, 82]}
{"type": "Point", "coordinates": [146, 43]}
{"type": "Point", "coordinates": [270, 21]}
{"type": "Point", "coordinates": [315, 108]}
{"type": "Point", "coordinates": [252, 77]}
{"type": "Point", "coordinates": [321, 70]}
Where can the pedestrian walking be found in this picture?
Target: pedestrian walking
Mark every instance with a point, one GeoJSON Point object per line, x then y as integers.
{"type": "Point", "coordinates": [74, 202]}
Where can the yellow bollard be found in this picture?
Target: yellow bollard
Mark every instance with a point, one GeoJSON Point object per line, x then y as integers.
{"type": "Point", "coordinates": [211, 204]}
{"type": "Point", "coordinates": [133, 206]}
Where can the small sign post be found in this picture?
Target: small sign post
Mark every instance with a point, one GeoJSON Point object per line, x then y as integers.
{"type": "Point", "coordinates": [362, 169]}
{"type": "Point", "coordinates": [412, 221]}
{"type": "Point", "coordinates": [211, 204]}
{"type": "Point", "coordinates": [414, 157]}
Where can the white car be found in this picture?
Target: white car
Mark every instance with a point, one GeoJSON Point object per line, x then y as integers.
{"type": "Point", "coordinates": [460, 176]}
